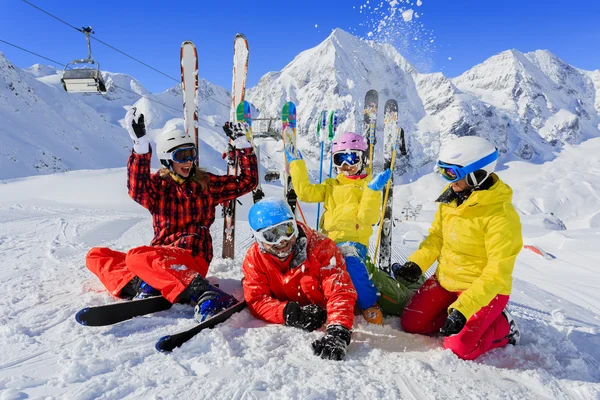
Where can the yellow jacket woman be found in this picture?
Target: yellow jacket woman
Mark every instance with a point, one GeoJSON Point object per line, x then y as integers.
{"type": "Point", "coordinates": [475, 237]}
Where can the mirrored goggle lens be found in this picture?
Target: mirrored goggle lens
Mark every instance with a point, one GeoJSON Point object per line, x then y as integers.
{"type": "Point", "coordinates": [448, 173]}
{"type": "Point", "coordinates": [185, 154]}
{"type": "Point", "coordinates": [349, 158]}
{"type": "Point", "coordinates": [278, 233]}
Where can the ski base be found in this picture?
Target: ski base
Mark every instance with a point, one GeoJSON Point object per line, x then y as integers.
{"type": "Point", "coordinates": [170, 342]}
{"type": "Point", "coordinates": [110, 314]}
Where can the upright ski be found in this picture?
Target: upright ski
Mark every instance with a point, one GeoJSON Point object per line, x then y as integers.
{"type": "Point", "coordinates": [170, 342]}
{"type": "Point", "coordinates": [110, 314]}
{"type": "Point", "coordinates": [288, 131]}
{"type": "Point", "coordinates": [392, 141]}
{"type": "Point", "coordinates": [370, 123]}
{"type": "Point", "coordinates": [189, 89]}
{"type": "Point", "coordinates": [238, 91]}
{"type": "Point", "coordinates": [244, 114]}
{"type": "Point", "coordinates": [332, 123]}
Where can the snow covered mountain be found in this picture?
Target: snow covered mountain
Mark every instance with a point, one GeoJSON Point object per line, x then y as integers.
{"type": "Point", "coordinates": [528, 105]}
{"type": "Point", "coordinates": [46, 130]}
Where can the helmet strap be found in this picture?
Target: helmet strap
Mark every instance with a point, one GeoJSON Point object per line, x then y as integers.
{"type": "Point", "coordinates": [474, 181]}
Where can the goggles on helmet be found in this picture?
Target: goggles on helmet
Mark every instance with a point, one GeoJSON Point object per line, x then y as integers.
{"type": "Point", "coordinates": [454, 173]}
{"type": "Point", "coordinates": [277, 233]}
{"type": "Point", "coordinates": [184, 154]}
{"type": "Point", "coordinates": [349, 157]}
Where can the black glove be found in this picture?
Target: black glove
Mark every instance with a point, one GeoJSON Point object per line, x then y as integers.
{"type": "Point", "coordinates": [140, 127]}
{"type": "Point", "coordinates": [410, 271]}
{"type": "Point", "coordinates": [234, 130]}
{"type": "Point", "coordinates": [454, 323]}
{"type": "Point", "coordinates": [333, 345]}
{"type": "Point", "coordinates": [307, 318]}
{"type": "Point", "coordinates": [135, 124]}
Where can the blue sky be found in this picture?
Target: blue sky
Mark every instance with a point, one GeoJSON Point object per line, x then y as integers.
{"type": "Point", "coordinates": [464, 33]}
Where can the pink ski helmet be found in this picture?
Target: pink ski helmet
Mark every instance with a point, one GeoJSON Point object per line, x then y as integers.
{"type": "Point", "coordinates": [348, 141]}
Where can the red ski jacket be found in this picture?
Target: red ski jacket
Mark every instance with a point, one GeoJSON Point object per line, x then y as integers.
{"type": "Point", "coordinates": [182, 213]}
{"type": "Point", "coordinates": [314, 274]}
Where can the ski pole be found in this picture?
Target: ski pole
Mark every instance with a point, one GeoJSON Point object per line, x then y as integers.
{"type": "Point", "coordinates": [301, 213]}
{"type": "Point", "coordinates": [321, 125]}
{"type": "Point", "coordinates": [387, 193]}
{"type": "Point", "coordinates": [333, 122]}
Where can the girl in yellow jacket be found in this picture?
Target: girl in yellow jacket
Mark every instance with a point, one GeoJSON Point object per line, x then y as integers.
{"type": "Point", "coordinates": [352, 206]}
{"type": "Point", "coordinates": [475, 237]}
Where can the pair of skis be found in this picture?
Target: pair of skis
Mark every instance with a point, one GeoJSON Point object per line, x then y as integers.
{"type": "Point", "coordinates": [118, 312]}
{"type": "Point", "coordinates": [393, 142]}
{"type": "Point", "coordinates": [241, 53]}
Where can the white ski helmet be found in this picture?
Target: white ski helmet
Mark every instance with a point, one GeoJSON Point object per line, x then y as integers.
{"type": "Point", "coordinates": [169, 140]}
{"type": "Point", "coordinates": [475, 156]}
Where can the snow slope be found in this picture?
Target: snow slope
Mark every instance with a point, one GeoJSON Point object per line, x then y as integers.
{"type": "Point", "coordinates": [48, 223]}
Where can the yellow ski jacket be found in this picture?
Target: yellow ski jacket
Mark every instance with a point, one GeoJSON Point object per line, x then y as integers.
{"type": "Point", "coordinates": [351, 208]}
{"type": "Point", "coordinates": [476, 245]}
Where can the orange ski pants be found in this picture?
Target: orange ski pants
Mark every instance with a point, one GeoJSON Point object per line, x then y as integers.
{"type": "Point", "coordinates": [167, 269]}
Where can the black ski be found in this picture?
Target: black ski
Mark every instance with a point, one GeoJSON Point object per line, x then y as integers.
{"type": "Point", "coordinates": [170, 342]}
{"type": "Point", "coordinates": [392, 136]}
{"type": "Point", "coordinates": [110, 314]}
{"type": "Point", "coordinates": [370, 123]}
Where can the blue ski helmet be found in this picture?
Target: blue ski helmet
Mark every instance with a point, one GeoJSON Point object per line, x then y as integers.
{"type": "Point", "coordinates": [268, 212]}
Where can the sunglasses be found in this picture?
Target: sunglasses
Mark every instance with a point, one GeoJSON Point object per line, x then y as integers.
{"type": "Point", "coordinates": [276, 234]}
{"type": "Point", "coordinates": [351, 158]}
{"type": "Point", "coordinates": [184, 154]}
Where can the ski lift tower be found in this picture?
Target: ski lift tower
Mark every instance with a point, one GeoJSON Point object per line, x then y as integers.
{"type": "Point", "coordinates": [84, 79]}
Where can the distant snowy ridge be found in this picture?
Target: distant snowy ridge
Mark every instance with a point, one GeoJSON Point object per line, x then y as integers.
{"type": "Point", "coordinates": [529, 105]}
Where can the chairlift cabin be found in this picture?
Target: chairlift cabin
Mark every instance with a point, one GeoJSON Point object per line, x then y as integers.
{"type": "Point", "coordinates": [84, 76]}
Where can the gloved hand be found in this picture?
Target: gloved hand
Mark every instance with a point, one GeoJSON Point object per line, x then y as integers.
{"type": "Point", "coordinates": [136, 127]}
{"type": "Point", "coordinates": [307, 318]}
{"type": "Point", "coordinates": [236, 131]}
{"type": "Point", "coordinates": [454, 323]}
{"type": "Point", "coordinates": [292, 153]}
{"type": "Point", "coordinates": [409, 271]}
{"type": "Point", "coordinates": [333, 345]}
{"type": "Point", "coordinates": [380, 180]}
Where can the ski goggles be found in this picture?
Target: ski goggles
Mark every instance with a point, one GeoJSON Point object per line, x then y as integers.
{"type": "Point", "coordinates": [184, 154]}
{"type": "Point", "coordinates": [351, 158]}
{"type": "Point", "coordinates": [277, 233]}
{"type": "Point", "coordinates": [454, 173]}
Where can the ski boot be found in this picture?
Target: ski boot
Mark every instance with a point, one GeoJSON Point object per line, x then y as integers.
{"type": "Point", "coordinates": [514, 336]}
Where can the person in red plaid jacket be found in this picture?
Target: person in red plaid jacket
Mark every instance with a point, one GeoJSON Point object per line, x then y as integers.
{"type": "Point", "coordinates": [182, 200]}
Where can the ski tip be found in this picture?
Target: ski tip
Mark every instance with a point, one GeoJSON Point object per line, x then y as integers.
{"type": "Point", "coordinates": [79, 316]}
{"type": "Point", "coordinates": [164, 344]}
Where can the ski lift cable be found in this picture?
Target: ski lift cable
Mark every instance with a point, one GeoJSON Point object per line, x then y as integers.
{"type": "Point", "coordinates": [114, 48]}
{"type": "Point", "coordinates": [31, 52]}
{"type": "Point", "coordinates": [116, 86]}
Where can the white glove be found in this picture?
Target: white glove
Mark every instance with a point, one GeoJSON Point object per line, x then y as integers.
{"type": "Point", "coordinates": [136, 128]}
{"type": "Point", "coordinates": [241, 143]}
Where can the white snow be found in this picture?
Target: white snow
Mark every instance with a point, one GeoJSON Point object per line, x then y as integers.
{"type": "Point", "coordinates": [48, 223]}
{"type": "Point", "coordinates": [407, 15]}
{"type": "Point", "coordinates": [543, 114]}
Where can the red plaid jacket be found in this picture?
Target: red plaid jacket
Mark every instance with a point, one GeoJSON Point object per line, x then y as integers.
{"type": "Point", "coordinates": [183, 213]}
